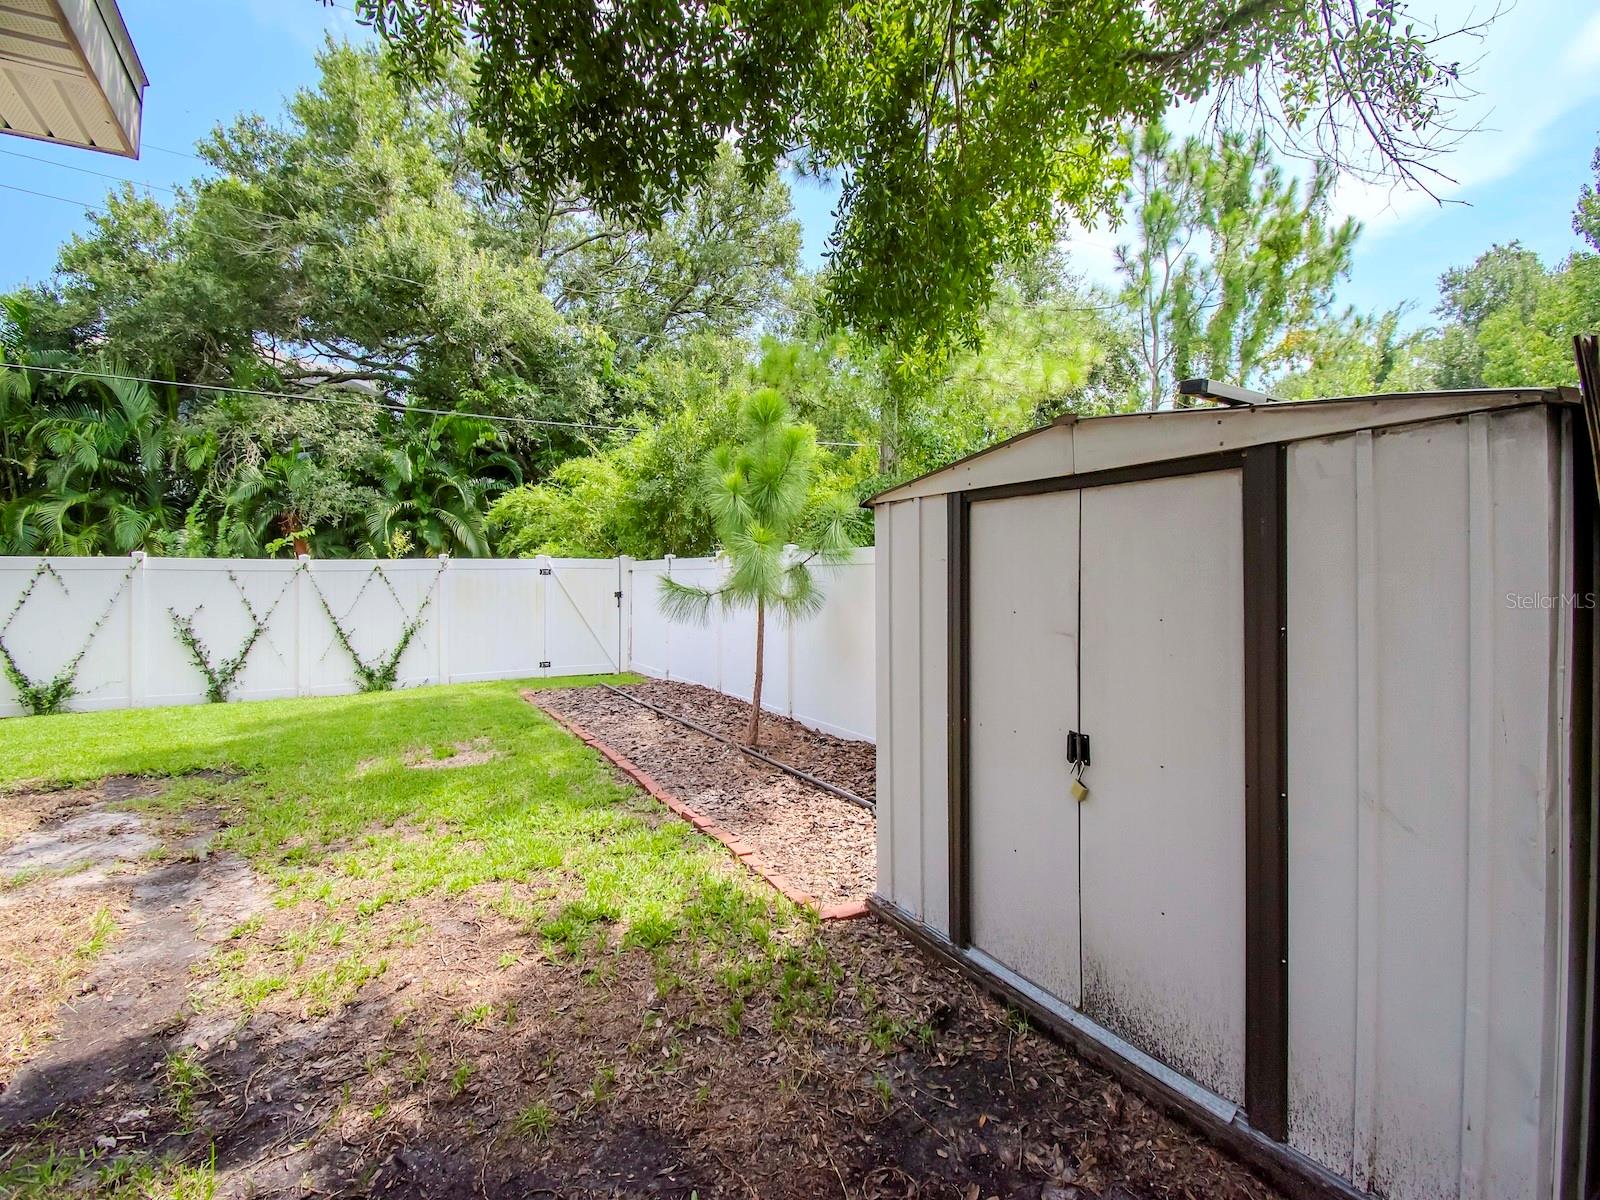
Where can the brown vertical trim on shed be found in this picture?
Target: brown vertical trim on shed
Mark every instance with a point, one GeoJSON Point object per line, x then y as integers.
{"type": "Point", "coordinates": [1266, 835]}
{"type": "Point", "coordinates": [1581, 1151]}
{"type": "Point", "coordinates": [956, 782]}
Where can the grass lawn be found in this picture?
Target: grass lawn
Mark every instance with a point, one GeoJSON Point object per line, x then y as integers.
{"type": "Point", "coordinates": [426, 943]}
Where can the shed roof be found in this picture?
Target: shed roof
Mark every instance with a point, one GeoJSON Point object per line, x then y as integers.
{"type": "Point", "coordinates": [69, 74]}
{"type": "Point", "coordinates": [1076, 445]}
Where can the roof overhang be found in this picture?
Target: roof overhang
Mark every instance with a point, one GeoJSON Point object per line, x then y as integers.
{"type": "Point", "coordinates": [1078, 445]}
{"type": "Point", "coordinates": [69, 74]}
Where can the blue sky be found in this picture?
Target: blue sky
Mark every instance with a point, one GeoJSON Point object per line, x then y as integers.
{"type": "Point", "coordinates": [1537, 80]}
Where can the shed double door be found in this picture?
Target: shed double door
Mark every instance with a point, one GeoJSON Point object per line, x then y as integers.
{"type": "Point", "coordinates": [1117, 611]}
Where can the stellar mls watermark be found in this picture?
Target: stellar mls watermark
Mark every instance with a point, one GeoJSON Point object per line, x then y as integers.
{"type": "Point", "coordinates": [1545, 601]}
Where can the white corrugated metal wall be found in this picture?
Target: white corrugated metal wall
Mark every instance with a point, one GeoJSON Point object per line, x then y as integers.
{"type": "Point", "coordinates": [1425, 802]}
{"type": "Point", "coordinates": [913, 707]}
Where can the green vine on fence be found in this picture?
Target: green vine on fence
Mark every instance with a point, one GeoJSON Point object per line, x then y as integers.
{"type": "Point", "coordinates": [220, 677]}
{"type": "Point", "coordinates": [380, 674]}
{"type": "Point", "coordinates": [39, 572]}
{"type": "Point", "coordinates": [42, 697]}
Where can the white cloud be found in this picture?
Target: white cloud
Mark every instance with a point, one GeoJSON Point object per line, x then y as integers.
{"type": "Point", "coordinates": [1519, 94]}
{"type": "Point", "coordinates": [308, 22]}
{"type": "Point", "coordinates": [1583, 54]}
{"type": "Point", "coordinates": [1092, 253]}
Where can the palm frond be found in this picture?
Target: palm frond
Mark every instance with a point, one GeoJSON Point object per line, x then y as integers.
{"type": "Point", "coordinates": [250, 483]}
{"type": "Point", "coordinates": [377, 520]}
{"type": "Point", "coordinates": [130, 526]}
{"type": "Point", "coordinates": [51, 514]}
{"type": "Point", "coordinates": [19, 530]}
{"type": "Point", "coordinates": [466, 532]}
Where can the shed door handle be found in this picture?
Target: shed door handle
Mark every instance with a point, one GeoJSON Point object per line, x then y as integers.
{"type": "Point", "coordinates": [1077, 748]}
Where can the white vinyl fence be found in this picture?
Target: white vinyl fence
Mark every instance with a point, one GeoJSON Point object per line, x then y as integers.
{"type": "Point", "coordinates": [116, 627]}
{"type": "Point", "coordinates": [820, 672]}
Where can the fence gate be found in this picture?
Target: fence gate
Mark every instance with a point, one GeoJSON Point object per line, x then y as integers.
{"type": "Point", "coordinates": [582, 616]}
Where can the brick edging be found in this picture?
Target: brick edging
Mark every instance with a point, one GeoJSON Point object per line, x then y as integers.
{"type": "Point", "coordinates": [849, 910]}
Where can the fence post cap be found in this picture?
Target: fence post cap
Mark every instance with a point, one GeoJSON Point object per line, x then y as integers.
{"type": "Point", "coordinates": [303, 557]}
{"type": "Point", "coordinates": [444, 560]}
{"type": "Point", "coordinates": [669, 557]}
{"type": "Point", "coordinates": [138, 556]}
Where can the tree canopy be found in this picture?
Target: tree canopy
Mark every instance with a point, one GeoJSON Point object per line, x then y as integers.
{"type": "Point", "coordinates": [348, 336]}
{"type": "Point", "coordinates": [402, 342]}
{"type": "Point", "coordinates": [962, 133]}
{"type": "Point", "coordinates": [1227, 258]}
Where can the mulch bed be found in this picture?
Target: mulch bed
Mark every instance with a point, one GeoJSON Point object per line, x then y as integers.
{"type": "Point", "coordinates": [842, 762]}
{"type": "Point", "coordinates": [822, 845]}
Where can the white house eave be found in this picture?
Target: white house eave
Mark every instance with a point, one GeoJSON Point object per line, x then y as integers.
{"type": "Point", "coordinates": [69, 74]}
{"type": "Point", "coordinates": [1073, 446]}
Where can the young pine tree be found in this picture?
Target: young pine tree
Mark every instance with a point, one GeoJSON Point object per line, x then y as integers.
{"type": "Point", "coordinates": [758, 494]}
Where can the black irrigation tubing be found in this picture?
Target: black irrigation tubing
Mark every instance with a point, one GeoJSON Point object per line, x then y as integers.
{"type": "Point", "coordinates": [830, 788]}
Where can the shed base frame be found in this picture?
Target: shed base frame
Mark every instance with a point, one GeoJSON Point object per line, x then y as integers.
{"type": "Point", "coordinates": [1282, 1166]}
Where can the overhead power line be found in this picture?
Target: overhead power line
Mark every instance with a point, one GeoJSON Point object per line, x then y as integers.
{"type": "Point", "coordinates": [96, 210]}
{"type": "Point", "coordinates": [170, 150]}
{"type": "Point", "coordinates": [387, 405]}
{"type": "Point", "coordinates": [86, 171]}
{"type": "Point", "coordinates": [212, 201]}
{"type": "Point", "coordinates": [11, 187]}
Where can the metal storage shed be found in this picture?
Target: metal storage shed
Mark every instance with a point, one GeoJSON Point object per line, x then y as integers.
{"type": "Point", "coordinates": [1325, 670]}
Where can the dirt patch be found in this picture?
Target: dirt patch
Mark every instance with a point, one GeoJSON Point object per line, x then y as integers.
{"type": "Point", "coordinates": [170, 918]}
{"type": "Point", "coordinates": [479, 1063]}
{"type": "Point", "coordinates": [103, 911]}
{"type": "Point", "coordinates": [823, 845]}
{"type": "Point", "coordinates": [23, 810]}
{"type": "Point", "coordinates": [94, 837]}
{"type": "Point", "coordinates": [47, 939]}
{"type": "Point", "coordinates": [452, 754]}
{"type": "Point", "coordinates": [845, 763]}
